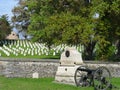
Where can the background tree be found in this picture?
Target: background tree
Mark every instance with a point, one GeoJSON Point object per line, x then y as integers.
{"type": "Point", "coordinates": [107, 27]}
{"type": "Point", "coordinates": [21, 18]}
{"type": "Point", "coordinates": [5, 27]}
{"type": "Point", "coordinates": [115, 29]}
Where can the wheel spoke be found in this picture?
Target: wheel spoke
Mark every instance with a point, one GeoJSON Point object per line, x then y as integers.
{"type": "Point", "coordinates": [102, 78]}
{"type": "Point", "coordinates": [78, 77]}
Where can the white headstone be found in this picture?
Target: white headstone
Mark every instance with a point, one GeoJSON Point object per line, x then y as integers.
{"type": "Point", "coordinates": [35, 75]}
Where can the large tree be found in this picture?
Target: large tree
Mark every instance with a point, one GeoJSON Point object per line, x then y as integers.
{"type": "Point", "coordinates": [5, 27]}
{"type": "Point", "coordinates": [94, 24]}
{"type": "Point", "coordinates": [108, 27]}
{"type": "Point", "coordinates": [62, 21]}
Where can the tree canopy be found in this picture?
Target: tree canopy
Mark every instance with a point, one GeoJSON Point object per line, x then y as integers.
{"type": "Point", "coordinates": [5, 27]}
{"type": "Point", "coordinates": [91, 23]}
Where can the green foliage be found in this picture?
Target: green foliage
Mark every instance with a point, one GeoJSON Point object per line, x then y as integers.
{"type": "Point", "coordinates": [107, 27]}
{"type": "Point", "coordinates": [74, 22]}
{"type": "Point", "coordinates": [116, 6]}
{"type": "Point", "coordinates": [60, 22]}
{"type": "Point", "coordinates": [66, 28]}
{"type": "Point", "coordinates": [5, 27]}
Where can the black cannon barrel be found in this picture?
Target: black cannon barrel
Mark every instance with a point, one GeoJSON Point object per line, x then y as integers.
{"type": "Point", "coordinates": [86, 70]}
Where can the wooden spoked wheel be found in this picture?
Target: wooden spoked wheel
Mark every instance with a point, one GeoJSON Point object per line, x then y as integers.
{"type": "Point", "coordinates": [102, 78]}
{"type": "Point", "coordinates": [79, 75]}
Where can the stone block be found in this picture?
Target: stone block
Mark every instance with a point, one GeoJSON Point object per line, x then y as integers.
{"type": "Point", "coordinates": [71, 57]}
{"type": "Point", "coordinates": [35, 75]}
{"type": "Point", "coordinates": [65, 74]}
{"type": "Point", "coordinates": [70, 60]}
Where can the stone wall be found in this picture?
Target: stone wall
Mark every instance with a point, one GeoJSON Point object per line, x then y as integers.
{"type": "Point", "coordinates": [28, 68]}
{"type": "Point", "coordinates": [114, 68]}
{"type": "Point", "coordinates": [45, 68]}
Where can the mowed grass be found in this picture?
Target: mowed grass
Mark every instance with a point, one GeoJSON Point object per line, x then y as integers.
{"type": "Point", "coordinates": [35, 84]}
{"type": "Point", "coordinates": [33, 57]}
{"type": "Point", "coordinates": [41, 84]}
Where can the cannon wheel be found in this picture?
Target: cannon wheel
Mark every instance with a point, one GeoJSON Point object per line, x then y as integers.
{"type": "Point", "coordinates": [78, 75]}
{"type": "Point", "coordinates": [101, 78]}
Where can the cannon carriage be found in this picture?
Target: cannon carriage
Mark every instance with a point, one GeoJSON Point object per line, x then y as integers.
{"type": "Point", "coordinates": [99, 78]}
{"type": "Point", "coordinates": [72, 70]}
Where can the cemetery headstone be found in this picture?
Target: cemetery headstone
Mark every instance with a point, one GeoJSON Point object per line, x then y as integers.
{"type": "Point", "coordinates": [35, 75]}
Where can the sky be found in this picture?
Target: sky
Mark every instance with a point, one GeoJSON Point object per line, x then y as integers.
{"type": "Point", "coordinates": [6, 7]}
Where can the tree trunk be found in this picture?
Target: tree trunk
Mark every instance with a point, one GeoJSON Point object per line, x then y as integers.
{"type": "Point", "coordinates": [118, 48]}
{"type": "Point", "coordinates": [88, 52]}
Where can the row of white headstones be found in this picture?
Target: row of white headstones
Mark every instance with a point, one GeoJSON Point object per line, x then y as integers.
{"type": "Point", "coordinates": [29, 48]}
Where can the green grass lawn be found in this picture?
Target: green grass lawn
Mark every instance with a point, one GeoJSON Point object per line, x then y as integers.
{"type": "Point", "coordinates": [41, 84]}
{"type": "Point", "coordinates": [33, 57]}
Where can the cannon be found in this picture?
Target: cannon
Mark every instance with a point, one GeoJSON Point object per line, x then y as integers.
{"type": "Point", "coordinates": [99, 78]}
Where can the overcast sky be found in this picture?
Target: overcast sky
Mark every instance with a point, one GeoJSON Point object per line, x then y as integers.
{"type": "Point", "coordinates": [6, 6]}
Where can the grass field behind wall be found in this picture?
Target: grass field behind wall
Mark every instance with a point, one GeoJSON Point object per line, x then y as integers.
{"type": "Point", "coordinates": [41, 84]}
